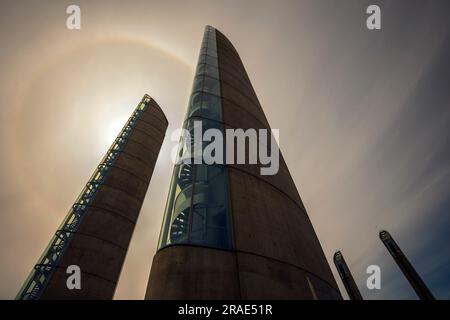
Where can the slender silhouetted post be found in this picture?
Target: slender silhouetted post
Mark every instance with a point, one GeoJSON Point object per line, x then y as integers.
{"type": "Point", "coordinates": [406, 267]}
{"type": "Point", "coordinates": [346, 277]}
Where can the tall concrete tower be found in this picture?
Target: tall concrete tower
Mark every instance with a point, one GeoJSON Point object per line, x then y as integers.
{"type": "Point", "coordinates": [228, 231]}
{"type": "Point", "coordinates": [406, 267]}
{"type": "Point", "coordinates": [96, 232]}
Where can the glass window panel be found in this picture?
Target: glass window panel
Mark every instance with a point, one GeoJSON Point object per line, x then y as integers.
{"type": "Point", "coordinates": [212, 44]}
{"type": "Point", "coordinates": [212, 72]}
{"type": "Point", "coordinates": [177, 212]}
{"type": "Point", "coordinates": [209, 60]}
{"type": "Point", "coordinates": [191, 125]}
{"type": "Point", "coordinates": [210, 224]}
{"type": "Point", "coordinates": [198, 83]}
{"type": "Point", "coordinates": [179, 184]}
{"type": "Point", "coordinates": [211, 124]}
{"type": "Point", "coordinates": [168, 210]}
{"type": "Point", "coordinates": [179, 223]}
{"type": "Point", "coordinates": [201, 69]}
{"type": "Point", "coordinates": [212, 52]}
{"type": "Point", "coordinates": [204, 105]}
{"type": "Point", "coordinates": [211, 107]}
{"type": "Point", "coordinates": [195, 104]}
{"type": "Point", "coordinates": [201, 58]}
{"type": "Point", "coordinates": [207, 69]}
{"type": "Point", "coordinates": [211, 85]}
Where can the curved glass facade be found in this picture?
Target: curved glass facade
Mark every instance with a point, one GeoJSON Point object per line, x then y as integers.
{"type": "Point", "coordinates": [197, 209]}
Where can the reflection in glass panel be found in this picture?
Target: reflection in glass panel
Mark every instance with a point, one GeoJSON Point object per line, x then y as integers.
{"type": "Point", "coordinates": [173, 230]}
{"type": "Point", "coordinates": [205, 105]}
{"type": "Point", "coordinates": [180, 215]}
{"type": "Point", "coordinates": [195, 105]}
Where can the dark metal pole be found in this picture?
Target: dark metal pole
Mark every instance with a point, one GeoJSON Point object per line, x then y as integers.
{"type": "Point", "coordinates": [406, 267]}
{"type": "Point", "coordinates": [346, 277]}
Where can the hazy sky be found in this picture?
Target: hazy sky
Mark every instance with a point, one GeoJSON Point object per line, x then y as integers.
{"type": "Point", "coordinates": [363, 118]}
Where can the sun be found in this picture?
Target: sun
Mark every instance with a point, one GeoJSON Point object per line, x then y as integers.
{"type": "Point", "coordinates": [113, 129]}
